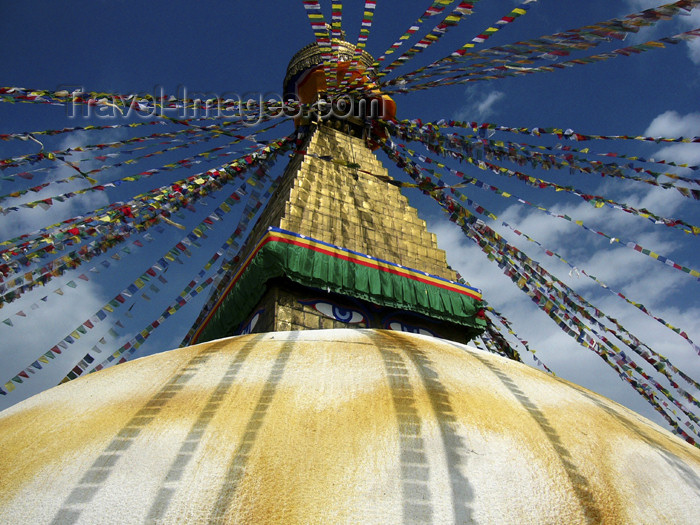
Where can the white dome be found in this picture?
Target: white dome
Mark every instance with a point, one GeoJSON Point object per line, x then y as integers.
{"type": "Point", "coordinates": [336, 426]}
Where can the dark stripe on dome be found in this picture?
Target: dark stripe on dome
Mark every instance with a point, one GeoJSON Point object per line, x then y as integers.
{"type": "Point", "coordinates": [102, 468]}
{"type": "Point", "coordinates": [439, 397]}
{"type": "Point", "coordinates": [415, 470]}
{"type": "Point", "coordinates": [579, 482]}
{"type": "Point", "coordinates": [184, 455]}
{"type": "Point", "coordinates": [236, 467]}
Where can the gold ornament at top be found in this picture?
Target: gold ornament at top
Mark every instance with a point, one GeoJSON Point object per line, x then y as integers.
{"type": "Point", "coordinates": [310, 56]}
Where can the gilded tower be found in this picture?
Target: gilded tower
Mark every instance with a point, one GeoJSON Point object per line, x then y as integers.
{"type": "Point", "coordinates": [363, 258]}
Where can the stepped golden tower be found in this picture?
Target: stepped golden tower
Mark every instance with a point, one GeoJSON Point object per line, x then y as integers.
{"type": "Point", "coordinates": [369, 257]}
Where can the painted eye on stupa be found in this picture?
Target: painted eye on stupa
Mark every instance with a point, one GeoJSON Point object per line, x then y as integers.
{"type": "Point", "coordinates": [339, 313]}
{"type": "Point", "coordinates": [402, 327]}
{"type": "Point", "coordinates": [248, 328]}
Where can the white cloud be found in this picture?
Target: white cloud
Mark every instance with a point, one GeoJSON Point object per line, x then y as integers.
{"type": "Point", "coordinates": [691, 22]}
{"type": "Point", "coordinates": [672, 124]}
{"type": "Point", "coordinates": [59, 315]}
{"type": "Point", "coordinates": [640, 5]}
{"type": "Point", "coordinates": [479, 104]}
{"type": "Point", "coordinates": [694, 51]}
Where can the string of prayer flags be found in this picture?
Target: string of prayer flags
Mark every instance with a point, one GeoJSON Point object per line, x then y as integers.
{"type": "Point", "coordinates": [509, 328]}
{"type": "Point", "coordinates": [566, 159]}
{"type": "Point", "coordinates": [455, 17]}
{"type": "Point", "coordinates": [515, 13]}
{"type": "Point", "coordinates": [33, 158]}
{"type": "Point", "coordinates": [367, 17]}
{"type": "Point", "coordinates": [550, 300]}
{"type": "Point", "coordinates": [502, 68]}
{"type": "Point", "coordinates": [481, 38]}
{"type": "Point", "coordinates": [144, 104]}
{"type": "Point", "coordinates": [634, 344]}
{"type": "Point", "coordinates": [481, 210]}
{"type": "Point", "coordinates": [71, 261]}
{"type": "Point", "coordinates": [494, 338]}
{"type": "Point", "coordinates": [230, 261]}
{"type": "Point", "coordinates": [611, 168]}
{"type": "Point", "coordinates": [365, 27]}
{"type": "Point", "coordinates": [89, 174]}
{"type": "Point", "coordinates": [496, 342]}
{"type": "Point", "coordinates": [128, 348]}
{"type": "Point", "coordinates": [595, 200]}
{"type": "Point", "coordinates": [580, 271]}
{"type": "Point", "coordinates": [207, 133]}
{"type": "Point", "coordinates": [562, 157]}
{"type": "Point", "coordinates": [336, 28]}
{"type": "Point", "coordinates": [211, 131]}
{"type": "Point", "coordinates": [50, 132]}
{"type": "Point", "coordinates": [472, 150]}
{"type": "Point", "coordinates": [523, 154]}
{"type": "Point", "coordinates": [435, 9]}
{"type": "Point", "coordinates": [657, 360]}
{"type": "Point", "coordinates": [27, 283]}
{"type": "Point", "coordinates": [99, 224]}
{"type": "Point", "coordinates": [562, 134]}
{"type": "Point", "coordinates": [320, 29]}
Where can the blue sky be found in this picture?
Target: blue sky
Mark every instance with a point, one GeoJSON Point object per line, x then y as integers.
{"type": "Point", "coordinates": [243, 47]}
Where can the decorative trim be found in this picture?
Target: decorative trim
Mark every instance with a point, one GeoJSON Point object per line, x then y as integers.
{"type": "Point", "coordinates": [429, 294]}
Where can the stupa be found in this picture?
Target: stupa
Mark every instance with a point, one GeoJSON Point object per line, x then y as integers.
{"type": "Point", "coordinates": [276, 412]}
